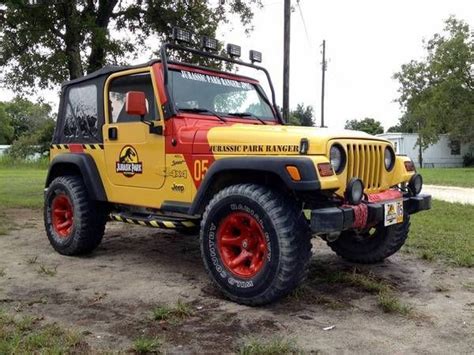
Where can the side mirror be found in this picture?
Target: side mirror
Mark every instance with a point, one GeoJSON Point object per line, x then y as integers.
{"type": "Point", "coordinates": [135, 103]}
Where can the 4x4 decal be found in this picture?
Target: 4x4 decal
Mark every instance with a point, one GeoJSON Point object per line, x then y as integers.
{"type": "Point", "coordinates": [128, 163]}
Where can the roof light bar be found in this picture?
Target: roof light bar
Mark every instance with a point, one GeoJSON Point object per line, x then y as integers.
{"type": "Point", "coordinates": [233, 50]}
{"type": "Point", "coordinates": [209, 43]}
{"type": "Point", "coordinates": [255, 56]}
{"type": "Point", "coordinates": [180, 35]}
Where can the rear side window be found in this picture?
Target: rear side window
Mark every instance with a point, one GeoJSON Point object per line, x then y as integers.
{"type": "Point", "coordinates": [118, 90]}
{"type": "Point", "coordinates": [81, 112]}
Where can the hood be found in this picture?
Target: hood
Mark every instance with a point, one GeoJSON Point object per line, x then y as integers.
{"type": "Point", "coordinates": [272, 139]}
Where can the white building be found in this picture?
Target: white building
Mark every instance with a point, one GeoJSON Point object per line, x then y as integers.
{"type": "Point", "coordinates": [3, 149]}
{"type": "Point", "coordinates": [444, 154]}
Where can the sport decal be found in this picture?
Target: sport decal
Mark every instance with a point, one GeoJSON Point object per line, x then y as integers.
{"type": "Point", "coordinates": [128, 163]}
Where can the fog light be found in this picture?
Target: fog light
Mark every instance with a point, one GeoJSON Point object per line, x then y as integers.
{"type": "Point", "coordinates": [416, 184]}
{"type": "Point", "coordinates": [354, 191]}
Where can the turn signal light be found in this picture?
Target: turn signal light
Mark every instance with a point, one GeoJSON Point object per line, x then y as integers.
{"type": "Point", "coordinates": [325, 169]}
{"type": "Point", "coordinates": [409, 166]}
{"type": "Point", "coordinates": [294, 172]}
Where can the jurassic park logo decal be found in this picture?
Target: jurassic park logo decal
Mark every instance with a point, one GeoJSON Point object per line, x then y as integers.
{"type": "Point", "coordinates": [128, 163]}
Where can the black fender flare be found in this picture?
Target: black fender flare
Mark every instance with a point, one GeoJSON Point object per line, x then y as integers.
{"type": "Point", "coordinates": [64, 164]}
{"type": "Point", "coordinates": [274, 165]}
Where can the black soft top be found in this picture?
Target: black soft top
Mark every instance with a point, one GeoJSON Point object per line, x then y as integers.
{"type": "Point", "coordinates": [107, 70]}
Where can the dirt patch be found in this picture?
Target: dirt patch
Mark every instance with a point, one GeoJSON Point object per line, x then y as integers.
{"type": "Point", "coordinates": [109, 296]}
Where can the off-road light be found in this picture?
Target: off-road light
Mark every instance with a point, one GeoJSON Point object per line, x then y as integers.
{"type": "Point", "coordinates": [415, 184]}
{"type": "Point", "coordinates": [354, 191]}
{"type": "Point", "coordinates": [409, 166]}
{"type": "Point", "coordinates": [389, 158]}
{"type": "Point", "coordinates": [304, 146]}
{"type": "Point", "coordinates": [209, 43]}
{"type": "Point", "coordinates": [337, 157]}
{"type": "Point", "coordinates": [233, 50]}
{"type": "Point", "coordinates": [181, 35]}
{"type": "Point", "coordinates": [255, 56]}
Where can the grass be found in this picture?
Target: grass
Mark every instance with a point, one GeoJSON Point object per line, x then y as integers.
{"type": "Point", "coordinates": [463, 177]}
{"type": "Point", "coordinates": [386, 298]}
{"type": "Point", "coordinates": [25, 335]}
{"type": "Point", "coordinates": [275, 346]}
{"type": "Point", "coordinates": [389, 303]}
{"type": "Point", "coordinates": [47, 271]}
{"type": "Point", "coordinates": [21, 187]}
{"type": "Point", "coordinates": [144, 345]}
{"type": "Point", "coordinates": [173, 314]}
{"type": "Point", "coordinates": [445, 233]}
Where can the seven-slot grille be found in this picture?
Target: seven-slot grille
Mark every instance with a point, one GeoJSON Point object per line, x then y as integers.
{"type": "Point", "coordinates": [366, 162]}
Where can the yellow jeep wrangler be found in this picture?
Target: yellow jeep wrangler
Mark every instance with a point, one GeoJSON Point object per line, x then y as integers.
{"type": "Point", "coordinates": [173, 145]}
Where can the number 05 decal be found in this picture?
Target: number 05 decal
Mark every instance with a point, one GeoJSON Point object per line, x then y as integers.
{"type": "Point", "coordinates": [200, 169]}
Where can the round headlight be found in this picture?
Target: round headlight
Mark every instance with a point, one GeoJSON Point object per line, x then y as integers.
{"type": "Point", "coordinates": [354, 191]}
{"type": "Point", "coordinates": [337, 158]}
{"type": "Point", "coordinates": [389, 158]}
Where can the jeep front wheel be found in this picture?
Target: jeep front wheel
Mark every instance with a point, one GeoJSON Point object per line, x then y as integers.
{"type": "Point", "coordinates": [255, 243]}
{"type": "Point", "coordinates": [74, 224]}
{"type": "Point", "coordinates": [372, 245]}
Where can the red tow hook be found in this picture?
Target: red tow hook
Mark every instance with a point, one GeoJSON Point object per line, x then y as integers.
{"type": "Point", "coordinates": [361, 211]}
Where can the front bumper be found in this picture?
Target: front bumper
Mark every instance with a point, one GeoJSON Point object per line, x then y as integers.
{"type": "Point", "coordinates": [337, 219]}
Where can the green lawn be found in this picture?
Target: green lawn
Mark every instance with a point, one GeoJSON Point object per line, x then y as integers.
{"type": "Point", "coordinates": [21, 187]}
{"type": "Point", "coordinates": [463, 177]}
{"type": "Point", "coordinates": [444, 233]}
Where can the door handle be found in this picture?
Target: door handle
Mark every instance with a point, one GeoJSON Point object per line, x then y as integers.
{"type": "Point", "coordinates": [113, 133]}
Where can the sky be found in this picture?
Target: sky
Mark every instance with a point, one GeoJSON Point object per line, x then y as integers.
{"type": "Point", "coordinates": [367, 41]}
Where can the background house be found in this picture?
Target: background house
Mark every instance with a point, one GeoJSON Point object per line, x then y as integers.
{"type": "Point", "coordinates": [444, 154]}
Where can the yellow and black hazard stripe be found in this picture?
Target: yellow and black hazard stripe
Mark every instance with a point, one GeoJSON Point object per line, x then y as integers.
{"type": "Point", "coordinates": [93, 146]}
{"type": "Point", "coordinates": [77, 147]}
{"type": "Point", "coordinates": [155, 223]}
{"type": "Point", "coordinates": [59, 146]}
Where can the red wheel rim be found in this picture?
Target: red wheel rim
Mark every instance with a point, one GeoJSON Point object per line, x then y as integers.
{"type": "Point", "coordinates": [62, 215]}
{"type": "Point", "coordinates": [241, 244]}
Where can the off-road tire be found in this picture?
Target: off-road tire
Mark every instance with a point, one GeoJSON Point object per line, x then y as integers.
{"type": "Point", "coordinates": [287, 235]}
{"type": "Point", "coordinates": [89, 217]}
{"type": "Point", "coordinates": [385, 242]}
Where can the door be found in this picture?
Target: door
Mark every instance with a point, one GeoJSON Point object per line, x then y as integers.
{"type": "Point", "coordinates": [134, 156]}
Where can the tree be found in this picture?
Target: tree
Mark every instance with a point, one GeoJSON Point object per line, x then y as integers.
{"type": "Point", "coordinates": [405, 125]}
{"type": "Point", "coordinates": [368, 125]}
{"type": "Point", "coordinates": [48, 43]}
{"type": "Point", "coordinates": [302, 116]}
{"type": "Point", "coordinates": [31, 126]}
{"type": "Point", "coordinates": [6, 129]}
{"type": "Point", "coordinates": [437, 93]}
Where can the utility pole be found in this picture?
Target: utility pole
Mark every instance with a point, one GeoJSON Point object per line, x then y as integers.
{"type": "Point", "coordinates": [323, 81]}
{"type": "Point", "coordinates": [286, 61]}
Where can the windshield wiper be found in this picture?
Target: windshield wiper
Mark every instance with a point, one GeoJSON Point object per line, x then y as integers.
{"type": "Point", "coordinates": [246, 114]}
{"type": "Point", "coordinates": [202, 110]}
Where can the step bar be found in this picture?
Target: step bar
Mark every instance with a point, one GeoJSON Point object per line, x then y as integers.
{"type": "Point", "coordinates": [154, 221]}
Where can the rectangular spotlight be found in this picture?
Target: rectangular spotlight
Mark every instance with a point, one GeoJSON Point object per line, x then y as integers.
{"type": "Point", "coordinates": [255, 56]}
{"type": "Point", "coordinates": [209, 43]}
{"type": "Point", "coordinates": [181, 35]}
{"type": "Point", "coordinates": [233, 50]}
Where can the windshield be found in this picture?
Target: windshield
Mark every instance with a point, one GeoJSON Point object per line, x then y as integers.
{"type": "Point", "coordinates": [192, 90]}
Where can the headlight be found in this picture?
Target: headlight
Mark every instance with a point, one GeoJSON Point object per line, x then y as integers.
{"type": "Point", "coordinates": [389, 158]}
{"type": "Point", "coordinates": [337, 158]}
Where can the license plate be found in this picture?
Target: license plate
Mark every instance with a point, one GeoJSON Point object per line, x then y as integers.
{"type": "Point", "coordinates": [393, 212]}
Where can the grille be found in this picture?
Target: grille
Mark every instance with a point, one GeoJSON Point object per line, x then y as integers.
{"type": "Point", "coordinates": [365, 161]}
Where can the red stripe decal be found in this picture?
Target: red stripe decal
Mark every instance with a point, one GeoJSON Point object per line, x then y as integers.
{"type": "Point", "coordinates": [76, 148]}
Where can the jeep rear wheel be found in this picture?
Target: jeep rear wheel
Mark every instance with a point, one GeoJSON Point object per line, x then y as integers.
{"type": "Point", "coordinates": [255, 243]}
{"type": "Point", "coordinates": [74, 224]}
{"type": "Point", "coordinates": [373, 245]}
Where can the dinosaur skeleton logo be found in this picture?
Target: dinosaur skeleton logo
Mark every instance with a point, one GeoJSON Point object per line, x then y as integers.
{"type": "Point", "coordinates": [128, 163]}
